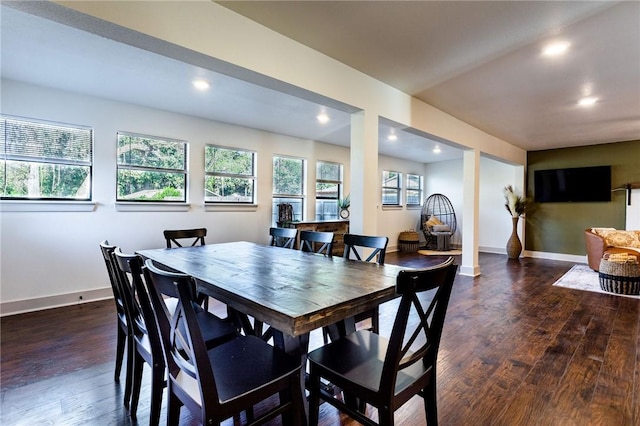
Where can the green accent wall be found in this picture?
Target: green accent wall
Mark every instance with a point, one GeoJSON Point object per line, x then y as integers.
{"type": "Point", "coordinates": [559, 227]}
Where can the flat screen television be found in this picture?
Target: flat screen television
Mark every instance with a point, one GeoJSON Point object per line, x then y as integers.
{"type": "Point", "coordinates": [580, 184]}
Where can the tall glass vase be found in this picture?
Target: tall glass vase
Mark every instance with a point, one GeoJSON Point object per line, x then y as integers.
{"type": "Point", "coordinates": [514, 246]}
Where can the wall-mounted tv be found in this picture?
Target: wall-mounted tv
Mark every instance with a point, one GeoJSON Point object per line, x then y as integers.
{"type": "Point", "coordinates": [580, 184]}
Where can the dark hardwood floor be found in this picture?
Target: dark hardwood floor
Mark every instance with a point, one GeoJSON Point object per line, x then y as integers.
{"type": "Point", "coordinates": [515, 351]}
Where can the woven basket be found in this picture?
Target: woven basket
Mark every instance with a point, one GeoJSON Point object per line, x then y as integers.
{"type": "Point", "coordinates": [620, 277]}
{"type": "Point", "coordinates": [408, 241]}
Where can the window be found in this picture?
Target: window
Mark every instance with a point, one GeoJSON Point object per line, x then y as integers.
{"type": "Point", "coordinates": [328, 189]}
{"type": "Point", "coordinates": [151, 168]}
{"type": "Point", "coordinates": [45, 161]}
{"type": "Point", "coordinates": [414, 190]}
{"type": "Point", "coordinates": [391, 187]}
{"type": "Point", "coordinates": [288, 186]}
{"type": "Point", "coordinates": [229, 175]}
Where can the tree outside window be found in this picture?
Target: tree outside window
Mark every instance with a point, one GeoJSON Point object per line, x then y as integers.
{"type": "Point", "coordinates": [43, 160]}
{"type": "Point", "coordinates": [151, 168]}
{"type": "Point", "coordinates": [229, 175]}
{"type": "Point", "coordinates": [288, 185]}
{"type": "Point", "coordinates": [328, 190]}
{"type": "Point", "coordinates": [391, 188]}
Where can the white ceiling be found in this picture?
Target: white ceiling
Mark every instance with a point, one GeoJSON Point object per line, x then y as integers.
{"type": "Point", "coordinates": [453, 55]}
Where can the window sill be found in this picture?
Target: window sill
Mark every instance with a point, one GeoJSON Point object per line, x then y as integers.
{"type": "Point", "coordinates": [230, 207]}
{"type": "Point", "coordinates": [152, 207]}
{"type": "Point", "coordinates": [46, 206]}
{"type": "Point", "coordinates": [389, 207]}
{"type": "Point", "coordinates": [414, 207]}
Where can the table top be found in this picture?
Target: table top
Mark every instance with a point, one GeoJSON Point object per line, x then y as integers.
{"type": "Point", "coordinates": [293, 291]}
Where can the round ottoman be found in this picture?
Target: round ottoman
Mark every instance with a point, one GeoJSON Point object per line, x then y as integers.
{"type": "Point", "coordinates": [620, 274]}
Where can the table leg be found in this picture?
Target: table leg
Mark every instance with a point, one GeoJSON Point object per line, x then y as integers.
{"type": "Point", "coordinates": [298, 347]}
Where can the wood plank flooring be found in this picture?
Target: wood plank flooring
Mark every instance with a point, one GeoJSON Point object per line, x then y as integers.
{"type": "Point", "coordinates": [515, 351]}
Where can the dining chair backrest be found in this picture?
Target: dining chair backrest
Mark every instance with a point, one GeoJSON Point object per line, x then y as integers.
{"type": "Point", "coordinates": [107, 253]}
{"type": "Point", "coordinates": [405, 346]}
{"type": "Point", "coordinates": [353, 242]}
{"type": "Point", "coordinates": [388, 372]}
{"type": "Point", "coordinates": [161, 286]}
{"type": "Point", "coordinates": [194, 237]}
{"type": "Point", "coordinates": [247, 371]}
{"type": "Point", "coordinates": [283, 237]}
{"type": "Point", "coordinates": [126, 277]}
{"type": "Point", "coordinates": [323, 241]}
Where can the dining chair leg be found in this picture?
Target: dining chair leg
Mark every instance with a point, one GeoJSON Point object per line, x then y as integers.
{"type": "Point", "coordinates": [430, 402]}
{"type": "Point", "coordinates": [138, 367]}
{"type": "Point", "coordinates": [122, 338]}
{"type": "Point", "coordinates": [130, 361]}
{"type": "Point", "coordinates": [157, 385]}
{"type": "Point", "coordinates": [385, 417]}
{"type": "Point", "coordinates": [314, 399]}
{"type": "Point", "coordinates": [173, 408]}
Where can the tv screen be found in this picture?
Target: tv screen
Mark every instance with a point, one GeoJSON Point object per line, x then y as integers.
{"type": "Point", "coordinates": [581, 184]}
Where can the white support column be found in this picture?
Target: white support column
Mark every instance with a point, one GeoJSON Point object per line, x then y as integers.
{"type": "Point", "coordinates": [470, 209]}
{"type": "Point", "coordinates": [365, 185]}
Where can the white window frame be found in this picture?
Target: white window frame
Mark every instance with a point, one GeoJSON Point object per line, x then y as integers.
{"type": "Point", "coordinates": [397, 189]}
{"type": "Point", "coordinates": [34, 152]}
{"type": "Point", "coordinates": [283, 196]}
{"type": "Point", "coordinates": [338, 183]}
{"type": "Point", "coordinates": [252, 176]}
{"type": "Point", "coordinates": [123, 166]}
{"type": "Point", "coordinates": [409, 189]}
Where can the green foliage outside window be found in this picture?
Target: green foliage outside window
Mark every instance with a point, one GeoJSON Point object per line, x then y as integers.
{"type": "Point", "coordinates": [229, 175]}
{"type": "Point", "coordinates": [151, 169]}
{"type": "Point", "coordinates": [41, 160]}
{"type": "Point", "coordinates": [288, 174]}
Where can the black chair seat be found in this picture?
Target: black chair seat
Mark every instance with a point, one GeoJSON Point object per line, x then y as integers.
{"type": "Point", "coordinates": [231, 360]}
{"type": "Point", "coordinates": [359, 358]}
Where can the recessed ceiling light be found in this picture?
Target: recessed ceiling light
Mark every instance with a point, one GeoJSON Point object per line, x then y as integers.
{"type": "Point", "coordinates": [588, 101]}
{"type": "Point", "coordinates": [556, 48]}
{"type": "Point", "coordinates": [392, 137]}
{"type": "Point", "coordinates": [323, 118]}
{"type": "Point", "coordinates": [436, 150]}
{"type": "Point", "coordinates": [201, 84]}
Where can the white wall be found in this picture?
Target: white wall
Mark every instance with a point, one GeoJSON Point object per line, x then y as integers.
{"type": "Point", "coordinates": [495, 221]}
{"type": "Point", "coordinates": [393, 220]}
{"type": "Point", "coordinates": [53, 258]}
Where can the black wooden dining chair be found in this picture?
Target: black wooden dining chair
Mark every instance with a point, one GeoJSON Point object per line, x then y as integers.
{"type": "Point", "coordinates": [316, 242]}
{"type": "Point", "coordinates": [146, 338]}
{"type": "Point", "coordinates": [124, 339]}
{"type": "Point", "coordinates": [283, 237]}
{"type": "Point", "coordinates": [353, 246]}
{"type": "Point", "coordinates": [386, 373]}
{"type": "Point", "coordinates": [176, 237]}
{"type": "Point", "coordinates": [194, 237]}
{"type": "Point", "coordinates": [220, 382]}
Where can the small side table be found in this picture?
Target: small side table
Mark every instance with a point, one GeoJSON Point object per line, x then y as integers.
{"type": "Point", "coordinates": [619, 277]}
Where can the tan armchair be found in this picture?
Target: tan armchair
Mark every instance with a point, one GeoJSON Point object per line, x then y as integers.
{"type": "Point", "coordinates": [597, 246]}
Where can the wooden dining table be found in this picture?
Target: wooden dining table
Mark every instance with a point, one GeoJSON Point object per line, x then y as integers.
{"type": "Point", "coordinates": [293, 291]}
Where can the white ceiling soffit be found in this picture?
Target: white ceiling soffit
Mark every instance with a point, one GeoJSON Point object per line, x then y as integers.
{"type": "Point", "coordinates": [480, 61]}
{"type": "Point", "coordinates": [42, 51]}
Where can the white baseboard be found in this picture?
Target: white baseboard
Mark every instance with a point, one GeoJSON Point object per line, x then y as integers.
{"type": "Point", "coordinates": [577, 258]}
{"type": "Point", "coordinates": [48, 302]}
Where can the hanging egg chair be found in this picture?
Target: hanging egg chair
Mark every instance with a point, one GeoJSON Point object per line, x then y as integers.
{"type": "Point", "coordinates": [438, 221]}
